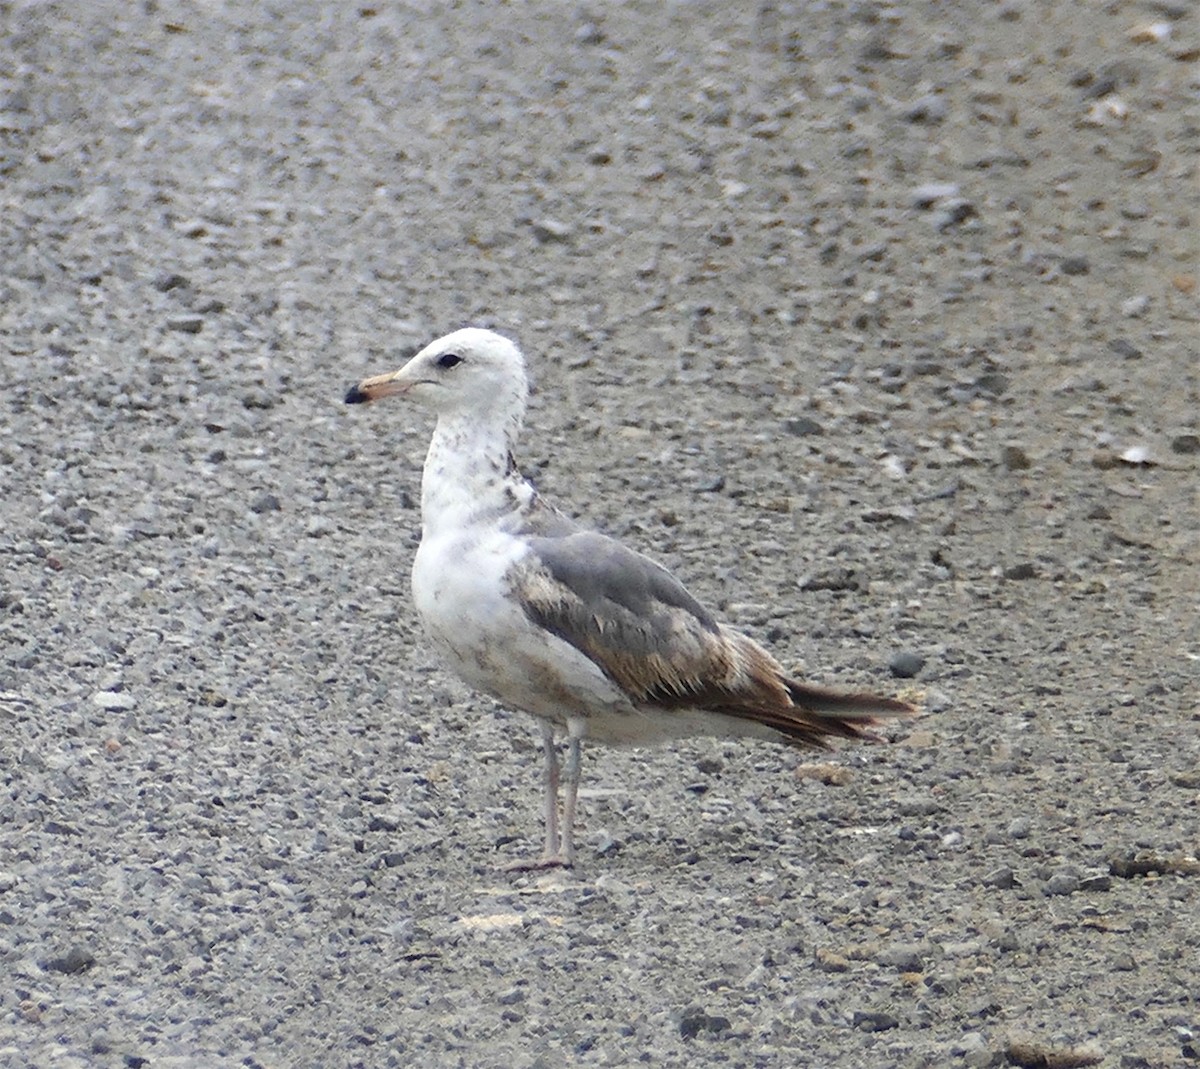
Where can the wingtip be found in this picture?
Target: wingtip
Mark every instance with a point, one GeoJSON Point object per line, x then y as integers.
{"type": "Point", "coordinates": [356, 395]}
{"type": "Point", "coordinates": [849, 706]}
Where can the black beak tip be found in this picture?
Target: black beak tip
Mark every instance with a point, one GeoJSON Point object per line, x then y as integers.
{"type": "Point", "coordinates": [355, 396]}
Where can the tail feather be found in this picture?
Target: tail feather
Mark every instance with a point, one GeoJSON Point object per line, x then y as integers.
{"type": "Point", "coordinates": [752, 686]}
{"type": "Point", "coordinates": [818, 715]}
{"type": "Point", "coordinates": [848, 706]}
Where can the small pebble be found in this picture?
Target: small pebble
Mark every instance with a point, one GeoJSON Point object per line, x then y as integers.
{"type": "Point", "coordinates": [1061, 883]}
{"type": "Point", "coordinates": [75, 960]}
{"type": "Point", "coordinates": [1020, 828]}
{"type": "Point", "coordinates": [953, 211]}
{"type": "Point", "coordinates": [1014, 458]}
{"type": "Point", "coordinates": [906, 664]}
{"type": "Point", "coordinates": [969, 1042]}
{"type": "Point", "coordinates": [551, 231]}
{"type": "Point", "coordinates": [907, 957]}
{"type": "Point", "coordinates": [1018, 572]}
{"type": "Point", "coordinates": [1002, 878]}
{"type": "Point", "coordinates": [917, 807]}
{"type": "Point", "coordinates": [927, 109]}
{"type": "Point", "coordinates": [168, 281]}
{"type": "Point", "coordinates": [874, 1021]}
{"type": "Point", "coordinates": [1125, 349]}
{"type": "Point", "coordinates": [926, 196]}
{"type": "Point", "coordinates": [802, 426]}
{"type": "Point", "coordinates": [831, 960]}
{"type": "Point", "coordinates": [589, 34]}
{"type": "Point", "coordinates": [1135, 307]}
{"type": "Point", "coordinates": [114, 701]}
{"type": "Point", "coordinates": [694, 1022]}
{"type": "Point", "coordinates": [1008, 941]}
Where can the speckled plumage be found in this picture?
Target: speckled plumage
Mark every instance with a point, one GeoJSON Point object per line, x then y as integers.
{"type": "Point", "coordinates": [566, 624]}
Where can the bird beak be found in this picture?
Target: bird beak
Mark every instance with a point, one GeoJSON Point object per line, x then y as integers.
{"type": "Point", "coordinates": [381, 386]}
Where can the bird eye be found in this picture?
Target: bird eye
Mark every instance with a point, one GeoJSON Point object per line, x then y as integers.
{"type": "Point", "coordinates": [449, 360]}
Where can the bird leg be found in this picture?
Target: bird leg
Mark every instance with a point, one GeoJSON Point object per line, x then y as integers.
{"type": "Point", "coordinates": [553, 855]}
{"type": "Point", "coordinates": [571, 777]}
{"type": "Point", "coordinates": [560, 848]}
{"type": "Point", "coordinates": [550, 790]}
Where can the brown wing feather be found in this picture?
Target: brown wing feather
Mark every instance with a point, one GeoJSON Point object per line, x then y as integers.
{"type": "Point", "coordinates": [647, 634]}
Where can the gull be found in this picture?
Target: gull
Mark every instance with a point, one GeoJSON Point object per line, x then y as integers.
{"type": "Point", "coordinates": [589, 636]}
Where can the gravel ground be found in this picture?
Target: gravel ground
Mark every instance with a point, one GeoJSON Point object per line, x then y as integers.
{"type": "Point", "coordinates": [878, 324]}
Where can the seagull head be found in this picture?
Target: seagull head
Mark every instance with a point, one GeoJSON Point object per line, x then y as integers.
{"type": "Point", "coordinates": [471, 372]}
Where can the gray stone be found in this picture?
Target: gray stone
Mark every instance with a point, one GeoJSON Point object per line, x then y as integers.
{"type": "Point", "coordinates": [114, 701]}
{"type": "Point", "coordinates": [1002, 878]}
{"type": "Point", "coordinates": [906, 664]}
{"type": "Point", "coordinates": [1061, 883]}
{"type": "Point", "coordinates": [188, 324]}
{"type": "Point", "coordinates": [926, 196]}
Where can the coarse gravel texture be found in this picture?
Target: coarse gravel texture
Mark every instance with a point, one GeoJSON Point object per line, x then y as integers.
{"type": "Point", "coordinates": [878, 323]}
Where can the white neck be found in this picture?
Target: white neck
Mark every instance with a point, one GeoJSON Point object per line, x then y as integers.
{"type": "Point", "coordinates": [469, 476]}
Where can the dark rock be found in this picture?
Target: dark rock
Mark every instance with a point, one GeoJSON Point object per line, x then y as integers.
{"type": "Point", "coordinates": [693, 1022]}
{"type": "Point", "coordinates": [831, 579]}
{"type": "Point", "coordinates": [168, 281]}
{"type": "Point", "coordinates": [906, 664]}
{"type": "Point", "coordinates": [1096, 881]}
{"type": "Point", "coordinates": [953, 211]}
{"type": "Point", "coordinates": [1186, 444]}
{"type": "Point", "coordinates": [75, 960]}
{"type": "Point", "coordinates": [1014, 458]}
{"type": "Point", "coordinates": [874, 1021]}
{"type": "Point", "coordinates": [1002, 878]}
{"type": "Point", "coordinates": [260, 398]}
{"type": "Point", "coordinates": [906, 957]}
{"type": "Point", "coordinates": [1017, 572]}
{"type": "Point", "coordinates": [1125, 349]}
{"type": "Point", "coordinates": [803, 425]}
{"type": "Point", "coordinates": [993, 382]}
{"type": "Point", "coordinates": [186, 324]}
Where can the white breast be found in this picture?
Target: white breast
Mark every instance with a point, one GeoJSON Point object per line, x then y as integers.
{"type": "Point", "coordinates": [462, 594]}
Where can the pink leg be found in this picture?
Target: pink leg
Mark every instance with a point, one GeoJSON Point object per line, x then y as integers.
{"type": "Point", "coordinates": [550, 791]}
{"type": "Point", "coordinates": [571, 772]}
{"type": "Point", "coordinates": [553, 855]}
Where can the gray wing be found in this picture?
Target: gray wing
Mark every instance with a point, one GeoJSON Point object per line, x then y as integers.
{"type": "Point", "coordinates": [634, 619]}
{"type": "Point", "coordinates": [646, 633]}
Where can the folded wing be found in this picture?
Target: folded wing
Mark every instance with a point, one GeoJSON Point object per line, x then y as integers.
{"type": "Point", "coordinates": [648, 635]}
